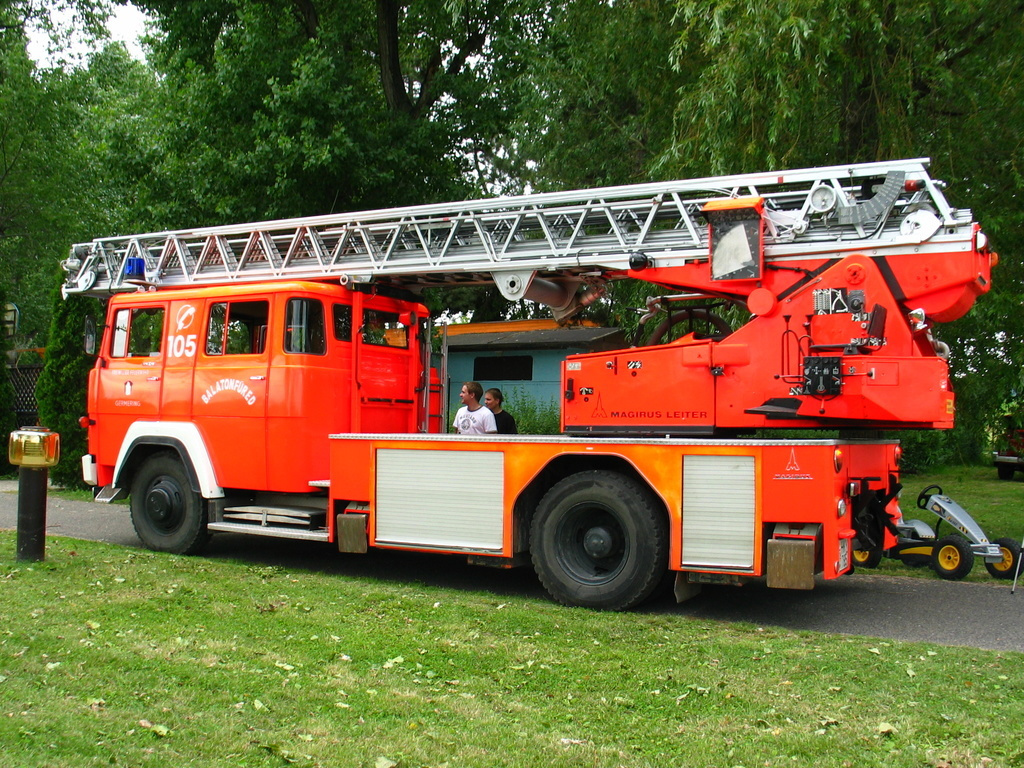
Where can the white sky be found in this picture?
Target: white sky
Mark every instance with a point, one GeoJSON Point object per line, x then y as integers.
{"type": "Point", "coordinates": [127, 24]}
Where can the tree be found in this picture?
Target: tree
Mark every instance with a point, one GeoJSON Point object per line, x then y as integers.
{"type": "Point", "coordinates": [299, 107]}
{"type": "Point", "coordinates": [56, 185]}
{"type": "Point", "coordinates": [61, 391]}
{"type": "Point", "coordinates": [601, 98]}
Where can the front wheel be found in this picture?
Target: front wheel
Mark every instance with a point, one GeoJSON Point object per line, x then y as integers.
{"type": "Point", "coordinates": [166, 513]}
{"type": "Point", "coordinates": [1007, 567]}
{"type": "Point", "coordinates": [1004, 471]}
{"type": "Point", "coordinates": [600, 540]}
{"type": "Point", "coordinates": [952, 557]}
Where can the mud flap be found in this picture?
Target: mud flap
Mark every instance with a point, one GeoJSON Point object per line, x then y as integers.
{"type": "Point", "coordinates": [351, 532]}
{"type": "Point", "coordinates": [792, 556]}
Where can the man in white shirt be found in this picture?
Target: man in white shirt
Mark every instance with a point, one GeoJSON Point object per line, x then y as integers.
{"type": "Point", "coordinates": [473, 418]}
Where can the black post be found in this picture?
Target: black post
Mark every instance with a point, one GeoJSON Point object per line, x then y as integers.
{"type": "Point", "coordinates": [32, 513]}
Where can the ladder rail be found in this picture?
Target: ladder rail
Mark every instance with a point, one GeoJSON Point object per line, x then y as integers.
{"type": "Point", "coordinates": [548, 233]}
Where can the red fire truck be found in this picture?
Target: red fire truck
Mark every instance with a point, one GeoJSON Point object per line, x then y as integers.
{"type": "Point", "coordinates": [276, 378]}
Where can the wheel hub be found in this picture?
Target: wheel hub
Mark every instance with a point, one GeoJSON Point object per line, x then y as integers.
{"type": "Point", "coordinates": [160, 503]}
{"type": "Point", "coordinates": [598, 542]}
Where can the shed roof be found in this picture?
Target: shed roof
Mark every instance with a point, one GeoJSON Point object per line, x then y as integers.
{"type": "Point", "coordinates": [549, 338]}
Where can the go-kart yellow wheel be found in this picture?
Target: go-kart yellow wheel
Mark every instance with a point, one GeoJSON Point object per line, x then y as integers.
{"type": "Point", "coordinates": [952, 557]}
{"type": "Point", "coordinates": [867, 558]}
{"type": "Point", "coordinates": [1007, 567]}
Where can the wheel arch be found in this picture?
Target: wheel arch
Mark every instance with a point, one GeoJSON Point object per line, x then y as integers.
{"type": "Point", "coordinates": [145, 439]}
{"type": "Point", "coordinates": [559, 468]}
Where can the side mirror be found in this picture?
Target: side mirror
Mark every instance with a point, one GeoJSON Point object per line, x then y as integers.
{"type": "Point", "coordinates": [89, 336]}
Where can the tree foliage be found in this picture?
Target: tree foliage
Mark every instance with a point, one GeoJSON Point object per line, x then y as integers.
{"type": "Point", "coordinates": [603, 93]}
{"type": "Point", "coordinates": [298, 107]}
{"type": "Point", "coordinates": [61, 391]}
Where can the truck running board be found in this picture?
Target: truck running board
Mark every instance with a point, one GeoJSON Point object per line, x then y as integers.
{"type": "Point", "coordinates": [262, 514]}
{"type": "Point", "coordinates": [277, 531]}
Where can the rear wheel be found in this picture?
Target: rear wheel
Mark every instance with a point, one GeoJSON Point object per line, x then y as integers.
{"type": "Point", "coordinates": [1005, 471]}
{"type": "Point", "coordinates": [1007, 567]}
{"type": "Point", "coordinates": [600, 540]}
{"type": "Point", "coordinates": [952, 557]}
{"type": "Point", "coordinates": [167, 514]}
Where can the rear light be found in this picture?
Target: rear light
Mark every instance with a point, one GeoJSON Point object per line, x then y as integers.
{"type": "Point", "coordinates": [897, 454]}
{"type": "Point", "coordinates": [837, 459]}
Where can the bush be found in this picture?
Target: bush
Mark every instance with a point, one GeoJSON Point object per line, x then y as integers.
{"type": "Point", "coordinates": [533, 416]}
{"type": "Point", "coordinates": [61, 392]}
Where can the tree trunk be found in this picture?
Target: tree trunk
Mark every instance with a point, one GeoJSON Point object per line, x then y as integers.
{"type": "Point", "coordinates": [395, 93]}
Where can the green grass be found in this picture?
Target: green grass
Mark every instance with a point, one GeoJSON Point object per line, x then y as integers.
{"type": "Point", "coordinates": [996, 505]}
{"type": "Point", "coordinates": [111, 656]}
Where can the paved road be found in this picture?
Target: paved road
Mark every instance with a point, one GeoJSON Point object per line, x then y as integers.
{"type": "Point", "coordinates": [979, 615]}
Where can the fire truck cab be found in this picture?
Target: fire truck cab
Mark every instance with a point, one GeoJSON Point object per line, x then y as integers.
{"type": "Point", "coordinates": [241, 385]}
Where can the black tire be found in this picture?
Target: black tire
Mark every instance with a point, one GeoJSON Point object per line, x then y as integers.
{"type": "Point", "coordinates": [1004, 471]}
{"type": "Point", "coordinates": [167, 514]}
{"type": "Point", "coordinates": [952, 557]}
{"type": "Point", "coordinates": [1007, 567]}
{"type": "Point", "coordinates": [600, 540]}
{"type": "Point", "coordinates": [867, 558]}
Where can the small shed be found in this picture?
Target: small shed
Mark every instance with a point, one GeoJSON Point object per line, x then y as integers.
{"type": "Point", "coordinates": [522, 356]}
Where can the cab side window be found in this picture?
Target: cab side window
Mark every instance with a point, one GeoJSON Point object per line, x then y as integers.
{"type": "Point", "coordinates": [383, 329]}
{"type": "Point", "coordinates": [304, 330]}
{"type": "Point", "coordinates": [237, 328]}
{"type": "Point", "coordinates": [138, 332]}
{"type": "Point", "coordinates": [342, 322]}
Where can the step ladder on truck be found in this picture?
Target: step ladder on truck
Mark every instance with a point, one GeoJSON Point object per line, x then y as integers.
{"type": "Point", "coordinates": [800, 299]}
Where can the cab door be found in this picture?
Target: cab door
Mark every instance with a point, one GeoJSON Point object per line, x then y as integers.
{"type": "Point", "coordinates": [388, 370]}
{"type": "Point", "coordinates": [230, 390]}
{"type": "Point", "coordinates": [130, 377]}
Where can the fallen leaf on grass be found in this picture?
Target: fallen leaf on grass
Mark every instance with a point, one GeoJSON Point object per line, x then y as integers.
{"type": "Point", "coordinates": [156, 728]}
{"type": "Point", "coordinates": [385, 762]}
{"type": "Point", "coordinates": [278, 751]}
{"type": "Point", "coordinates": [886, 729]}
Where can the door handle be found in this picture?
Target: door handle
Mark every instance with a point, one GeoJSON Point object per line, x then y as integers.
{"type": "Point", "coordinates": [152, 378]}
{"type": "Point", "coordinates": [257, 378]}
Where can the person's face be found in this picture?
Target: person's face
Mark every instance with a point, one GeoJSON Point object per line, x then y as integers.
{"type": "Point", "coordinates": [491, 401]}
{"type": "Point", "coordinates": [465, 397]}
